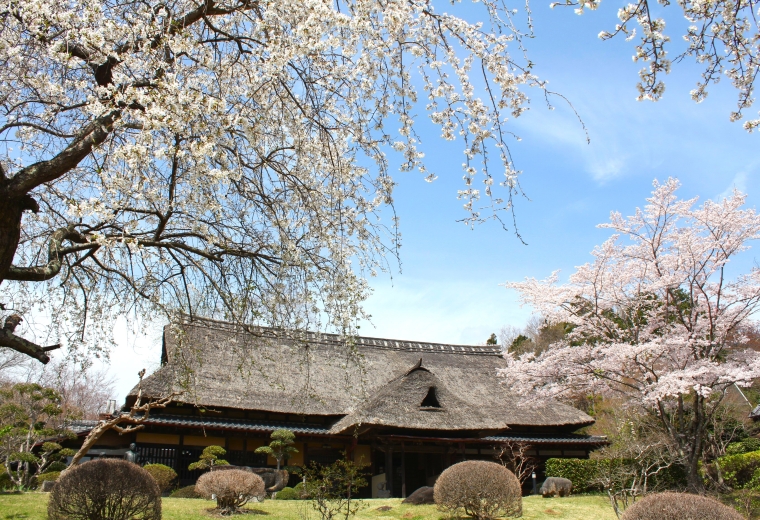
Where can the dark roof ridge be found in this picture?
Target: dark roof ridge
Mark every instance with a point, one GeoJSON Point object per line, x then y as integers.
{"type": "Point", "coordinates": [335, 339]}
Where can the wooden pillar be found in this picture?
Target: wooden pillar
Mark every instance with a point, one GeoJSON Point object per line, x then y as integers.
{"type": "Point", "coordinates": [403, 471]}
{"type": "Point", "coordinates": [389, 469]}
{"type": "Point", "coordinates": [351, 449]}
{"type": "Point", "coordinates": [372, 461]}
{"type": "Point", "coordinates": [178, 456]}
{"type": "Point", "coordinates": [245, 451]}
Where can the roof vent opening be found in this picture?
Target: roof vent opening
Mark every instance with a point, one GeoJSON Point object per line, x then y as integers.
{"type": "Point", "coordinates": [431, 399]}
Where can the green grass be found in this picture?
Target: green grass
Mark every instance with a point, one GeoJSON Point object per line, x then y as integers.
{"type": "Point", "coordinates": [32, 506]}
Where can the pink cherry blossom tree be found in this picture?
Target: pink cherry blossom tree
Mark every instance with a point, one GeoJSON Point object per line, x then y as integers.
{"type": "Point", "coordinates": [656, 317]}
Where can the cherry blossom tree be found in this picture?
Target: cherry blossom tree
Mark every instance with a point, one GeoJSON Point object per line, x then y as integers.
{"type": "Point", "coordinates": [227, 157]}
{"type": "Point", "coordinates": [656, 317]}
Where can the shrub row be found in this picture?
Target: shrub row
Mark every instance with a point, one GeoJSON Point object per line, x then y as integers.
{"type": "Point", "coordinates": [745, 446]}
{"type": "Point", "coordinates": [585, 473]}
{"type": "Point", "coordinates": [581, 472]}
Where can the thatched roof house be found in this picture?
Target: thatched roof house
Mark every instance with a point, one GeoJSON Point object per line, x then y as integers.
{"type": "Point", "coordinates": [372, 381]}
{"type": "Point", "coordinates": [398, 404]}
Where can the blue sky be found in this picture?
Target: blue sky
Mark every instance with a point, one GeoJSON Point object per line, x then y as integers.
{"type": "Point", "coordinates": [448, 289]}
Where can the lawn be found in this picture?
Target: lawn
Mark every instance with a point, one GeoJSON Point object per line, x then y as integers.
{"type": "Point", "coordinates": [31, 506]}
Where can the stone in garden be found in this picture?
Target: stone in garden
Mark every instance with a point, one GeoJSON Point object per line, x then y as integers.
{"type": "Point", "coordinates": [423, 495]}
{"type": "Point", "coordinates": [556, 486]}
{"type": "Point", "coordinates": [47, 486]}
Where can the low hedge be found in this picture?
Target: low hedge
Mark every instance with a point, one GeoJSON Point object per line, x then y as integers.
{"type": "Point", "coordinates": [745, 446]}
{"type": "Point", "coordinates": [581, 472]}
{"type": "Point", "coordinates": [742, 470]}
{"type": "Point", "coordinates": [585, 473]}
{"type": "Point", "coordinates": [186, 492]}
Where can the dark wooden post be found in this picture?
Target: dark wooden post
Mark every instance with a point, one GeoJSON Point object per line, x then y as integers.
{"type": "Point", "coordinates": [351, 449]}
{"type": "Point", "coordinates": [178, 455]}
{"type": "Point", "coordinates": [389, 469]}
{"type": "Point", "coordinates": [403, 471]}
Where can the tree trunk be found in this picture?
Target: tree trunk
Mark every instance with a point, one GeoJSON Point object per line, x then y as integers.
{"type": "Point", "coordinates": [11, 210]}
{"type": "Point", "coordinates": [88, 443]}
{"type": "Point", "coordinates": [688, 437]}
{"type": "Point", "coordinates": [693, 443]}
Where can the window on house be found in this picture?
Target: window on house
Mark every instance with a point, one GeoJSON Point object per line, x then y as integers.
{"type": "Point", "coordinates": [431, 399]}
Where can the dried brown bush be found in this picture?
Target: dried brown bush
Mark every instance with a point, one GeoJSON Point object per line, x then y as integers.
{"type": "Point", "coordinates": [483, 490]}
{"type": "Point", "coordinates": [105, 489]}
{"type": "Point", "coordinates": [232, 488]}
{"type": "Point", "coordinates": [679, 506]}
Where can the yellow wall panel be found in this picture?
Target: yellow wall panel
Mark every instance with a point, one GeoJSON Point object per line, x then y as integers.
{"type": "Point", "coordinates": [296, 459]}
{"type": "Point", "coordinates": [157, 438]}
{"type": "Point", "coordinates": [254, 443]}
{"type": "Point", "coordinates": [363, 454]}
{"type": "Point", "coordinates": [235, 444]}
{"type": "Point", "coordinates": [197, 440]}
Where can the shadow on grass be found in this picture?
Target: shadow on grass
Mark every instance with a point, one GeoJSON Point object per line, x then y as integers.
{"type": "Point", "coordinates": [216, 514]}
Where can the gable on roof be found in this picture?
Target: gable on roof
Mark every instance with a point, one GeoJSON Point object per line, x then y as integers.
{"type": "Point", "coordinates": [419, 400]}
{"type": "Point", "coordinates": [221, 365]}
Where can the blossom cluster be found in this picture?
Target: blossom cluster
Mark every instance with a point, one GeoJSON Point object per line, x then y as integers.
{"type": "Point", "coordinates": [723, 36]}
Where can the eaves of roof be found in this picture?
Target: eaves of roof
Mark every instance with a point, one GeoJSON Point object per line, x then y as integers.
{"type": "Point", "coordinates": [585, 440]}
{"type": "Point", "coordinates": [213, 423]}
{"type": "Point", "coordinates": [82, 425]}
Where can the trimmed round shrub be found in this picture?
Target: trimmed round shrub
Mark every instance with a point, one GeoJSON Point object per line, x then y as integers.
{"type": "Point", "coordinates": [300, 490]}
{"type": "Point", "coordinates": [287, 493]}
{"type": "Point", "coordinates": [49, 475]}
{"type": "Point", "coordinates": [5, 481]}
{"type": "Point", "coordinates": [231, 488]}
{"type": "Point", "coordinates": [163, 474]}
{"type": "Point", "coordinates": [105, 489]}
{"type": "Point", "coordinates": [185, 492]}
{"type": "Point", "coordinates": [56, 466]}
{"type": "Point", "coordinates": [480, 489]}
{"type": "Point", "coordinates": [679, 506]}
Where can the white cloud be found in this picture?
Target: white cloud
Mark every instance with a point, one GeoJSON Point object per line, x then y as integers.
{"type": "Point", "coordinates": [739, 182]}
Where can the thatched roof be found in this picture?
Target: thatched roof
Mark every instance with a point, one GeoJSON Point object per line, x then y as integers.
{"type": "Point", "coordinates": [419, 400]}
{"type": "Point", "coordinates": [371, 381]}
